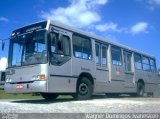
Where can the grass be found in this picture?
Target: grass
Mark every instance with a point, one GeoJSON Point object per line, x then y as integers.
{"type": "Point", "coordinates": [4, 95]}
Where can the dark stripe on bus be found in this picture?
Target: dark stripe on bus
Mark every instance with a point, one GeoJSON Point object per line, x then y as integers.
{"type": "Point", "coordinates": [63, 76]}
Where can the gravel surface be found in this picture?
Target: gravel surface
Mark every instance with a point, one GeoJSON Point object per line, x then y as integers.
{"type": "Point", "coordinates": [96, 105]}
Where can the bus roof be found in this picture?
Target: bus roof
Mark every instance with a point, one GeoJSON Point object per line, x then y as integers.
{"type": "Point", "coordinates": [96, 37]}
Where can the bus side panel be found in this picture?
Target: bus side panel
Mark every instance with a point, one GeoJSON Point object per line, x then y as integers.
{"type": "Point", "coordinates": [61, 79]}
{"type": "Point", "coordinates": [83, 66]}
{"type": "Point", "coordinates": [102, 81]}
{"type": "Point", "coordinates": [149, 78]}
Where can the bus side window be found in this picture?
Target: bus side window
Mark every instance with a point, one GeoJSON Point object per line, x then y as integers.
{"type": "Point", "coordinates": [146, 65]}
{"type": "Point", "coordinates": [116, 56]}
{"type": "Point", "coordinates": [53, 42]}
{"type": "Point", "coordinates": [138, 61]}
{"type": "Point", "coordinates": [3, 76]}
{"type": "Point", "coordinates": [82, 47]}
{"type": "Point", "coordinates": [65, 45]}
{"type": "Point", "coordinates": [104, 56]}
{"type": "Point", "coordinates": [152, 65]}
{"type": "Point", "coordinates": [97, 48]}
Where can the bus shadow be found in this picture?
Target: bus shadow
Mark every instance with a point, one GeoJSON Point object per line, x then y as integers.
{"type": "Point", "coordinates": [60, 100]}
{"type": "Point", "coordinates": [42, 101]}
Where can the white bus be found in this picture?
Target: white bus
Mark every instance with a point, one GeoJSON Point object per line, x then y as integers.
{"type": "Point", "coordinates": [52, 58]}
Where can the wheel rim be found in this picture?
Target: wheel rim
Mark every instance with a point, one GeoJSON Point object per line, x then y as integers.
{"type": "Point", "coordinates": [83, 89]}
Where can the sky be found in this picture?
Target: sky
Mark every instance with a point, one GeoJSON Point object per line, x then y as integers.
{"type": "Point", "coordinates": [134, 23]}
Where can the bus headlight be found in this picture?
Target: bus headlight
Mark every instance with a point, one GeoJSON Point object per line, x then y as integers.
{"type": "Point", "coordinates": [34, 77]}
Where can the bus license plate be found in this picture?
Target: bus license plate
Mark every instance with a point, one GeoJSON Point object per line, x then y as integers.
{"type": "Point", "coordinates": [19, 86]}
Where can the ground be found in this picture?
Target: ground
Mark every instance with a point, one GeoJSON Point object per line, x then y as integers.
{"type": "Point", "coordinates": [99, 104]}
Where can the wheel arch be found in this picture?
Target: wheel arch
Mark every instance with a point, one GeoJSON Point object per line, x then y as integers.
{"type": "Point", "coordinates": [141, 81]}
{"type": "Point", "coordinates": [87, 75]}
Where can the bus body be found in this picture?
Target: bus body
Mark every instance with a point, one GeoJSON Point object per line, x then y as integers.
{"type": "Point", "coordinates": [2, 79]}
{"type": "Point", "coordinates": [52, 58]}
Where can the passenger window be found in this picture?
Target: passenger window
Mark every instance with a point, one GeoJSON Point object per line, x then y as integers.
{"type": "Point", "coordinates": [116, 56]}
{"type": "Point", "coordinates": [152, 65]}
{"type": "Point", "coordinates": [82, 47]}
{"type": "Point", "coordinates": [54, 38]}
{"type": "Point", "coordinates": [138, 61]}
{"type": "Point", "coordinates": [146, 65]}
{"type": "Point", "coordinates": [65, 45]}
{"type": "Point", "coordinates": [60, 46]}
{"type": "Point", "coordinates": [3, 76]}
{"type": "Point", "coordinates": [97, 47]}
{"type": "Point", "coordinates": [104, 56]}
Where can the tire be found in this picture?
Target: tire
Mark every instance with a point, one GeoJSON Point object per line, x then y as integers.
{"type": "Point", "coordinates": [140, 89]}
{"type": "Point", "coordinates": [49, 96]}
{"type": "Point", "coordinates": [84, 89]}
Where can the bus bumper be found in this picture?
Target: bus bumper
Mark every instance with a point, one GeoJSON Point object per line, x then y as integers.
{"type": "Point", "coordinates": [36, 86]}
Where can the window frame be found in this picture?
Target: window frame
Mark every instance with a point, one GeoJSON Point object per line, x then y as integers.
{"type": "Point", "coordinates": [119, 63]}
{"type": "Point", "coordinates": [99, 50]}
{"type": "Point", "coordinates": [105, 46]}
{"type": "Point", "coordinates": [154, 65]}
{"type": "Point", "coordinates": [90, 42]}
{"type": "Point", "coordinates": [136, 54]}
{"type": "Point", "coordinates": [146, 64]}
{"type": "Point", "coordinates": [124, 58]}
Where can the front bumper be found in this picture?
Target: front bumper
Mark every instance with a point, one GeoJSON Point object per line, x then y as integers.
{"type": "Point", "coordinates": [30, 87]}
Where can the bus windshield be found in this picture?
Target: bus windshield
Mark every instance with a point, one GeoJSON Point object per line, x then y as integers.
{"type": "Point", "coordinates": [28, 49]}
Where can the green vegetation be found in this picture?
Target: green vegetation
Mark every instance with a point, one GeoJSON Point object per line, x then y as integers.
{"type": "Point", "coordinates": [4, 95]}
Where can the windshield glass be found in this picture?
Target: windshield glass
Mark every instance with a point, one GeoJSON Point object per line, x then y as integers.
{"type": "Point", "coordinates": [28, 49]}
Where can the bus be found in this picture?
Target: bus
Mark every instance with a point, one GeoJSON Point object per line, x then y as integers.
{"type": "Point", "coordinates": [2, 79]}
{"type": "Point", "coordinates": [52, 59]}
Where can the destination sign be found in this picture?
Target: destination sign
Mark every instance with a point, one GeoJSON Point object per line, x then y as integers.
{"type": "Point", "coordinates": [30, 28]}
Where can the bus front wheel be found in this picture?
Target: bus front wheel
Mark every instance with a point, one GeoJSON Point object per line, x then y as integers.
{"type": "Point", "coordinates": [84, 89]}
{"type": "Point", "coordinates": [49, 96]}
{"type": "Point", "coordinates": [140, 89]}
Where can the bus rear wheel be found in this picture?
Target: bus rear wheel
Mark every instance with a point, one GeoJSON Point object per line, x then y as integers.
{"type": "Point", "coordinates": [140, 89]}
{"type": "Point", "coordinates": [49, 96]}
{"type": "Point", "coordinates": [84, 89]}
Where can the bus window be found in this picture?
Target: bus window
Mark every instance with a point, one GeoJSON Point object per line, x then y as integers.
{"type": "Point", "coordinates": [82, 47]}
{"type": "Point", "coordinates": [146, 65]}
{"type": "Point", "coordinates": [152, 65]}
{"type": "Point", "coordinates": [116, 56]}
{"type": "Point", "coordinates": [65, 45]}
{"type": "Point", "coordinates": [104, 56]}
{"type": "Point", "coordinates": [54, 39]}
{"type": "Point", "coordinates": [3, 76]}
{"type": "Point", "coordinates": [97, 47]}
{"type": "Point", "coordinates": [138, 61]}
{"type": "Point", "coordinates": [60, 46]}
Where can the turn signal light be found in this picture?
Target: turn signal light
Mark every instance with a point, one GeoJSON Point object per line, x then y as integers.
{"type": "Point", "coordinates": [42, 76]}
